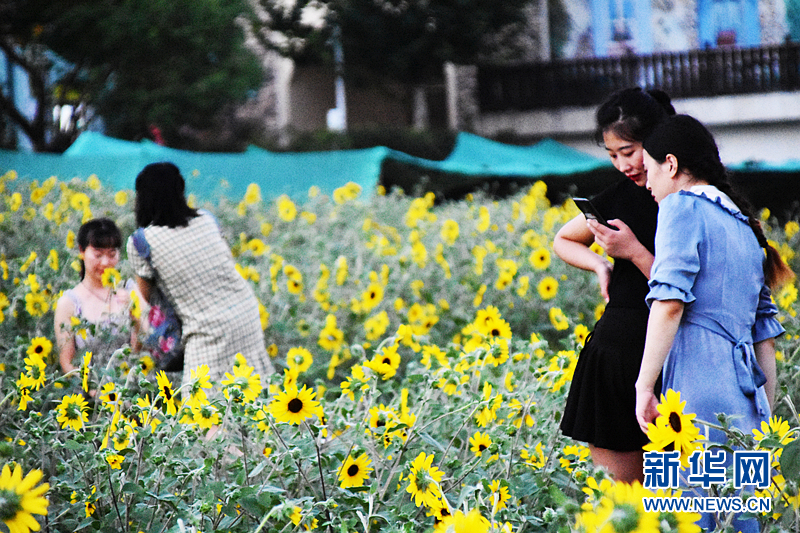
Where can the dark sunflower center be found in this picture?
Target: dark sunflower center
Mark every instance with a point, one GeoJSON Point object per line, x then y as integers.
{"type": "Point", "coordinates": [10, 504]}
{"type": "Point", "coordinates": [352, 471]}
{"type": "Point", "coordinates": [387, 361]}
{"type": "Point", "coordinates": [482, 447]}
{"type": "Point", "coordinates": [495, 332]}
{"type": "Point", "coordinates": [295, 405]}
{"type": "Point", "coordinates": [675, 422]}
{"type": "Point", "coordinates": [112, 397]}
{"type": "Point", "coordinates": [39, 349]}
{"type": "Point", "coordinates": [167, 393]}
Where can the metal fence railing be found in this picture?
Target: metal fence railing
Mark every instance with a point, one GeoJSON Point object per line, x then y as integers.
{"type": "Point", "coordinates": [585, 82]}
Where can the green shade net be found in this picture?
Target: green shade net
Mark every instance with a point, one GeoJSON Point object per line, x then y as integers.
{"type": "Point", "coordinates": [116, 163]}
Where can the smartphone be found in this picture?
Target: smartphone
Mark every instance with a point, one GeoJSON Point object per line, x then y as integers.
{"type": "Point", "coordinates": [590, 211]}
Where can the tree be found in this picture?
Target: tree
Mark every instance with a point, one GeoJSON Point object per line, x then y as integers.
{"type": "Point", "coordinates": [405, 40]}
{"type": "Point", "coordinates": [169, 63]}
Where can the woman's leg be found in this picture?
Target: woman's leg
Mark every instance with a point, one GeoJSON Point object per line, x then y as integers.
{"type": "Point", "coordinates": [623, 466]}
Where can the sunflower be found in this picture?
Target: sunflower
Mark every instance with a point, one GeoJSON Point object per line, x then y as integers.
{"type": "Point", "coordinates": [85, 367]}
{"type": "Point", "coordinates": [206, 415]}
{"type": "Point", "coordinates": [376, 326]}
{"type": "Point", "coordinates": [24, 386]}
{"type": "Point", "coordinates": [572, 455]}
{"type": "Point", "coordinates": [72, 411]}
{"type": "Point", "coordinates": [114, 460]}
{"type": "Point", "coordinates": [143, 412]}
{"type": "Point", "coordinates": [386, 362]}
{"type": "Point", "coordinates": [294, 406]}
{"type": "Point", "coordinates": [371, 297]}
{"type": "Point", "coordinates": [287, 211]}
{"type": "Point", "coordinates": [534, 458]}
{"type": "Point", "coordinates": [558, 318]}
{"type": "Point", "coordinates": [774, 436]}
{"type": "Point", "coordinates": [423, 481]}
{"type": "Point", "coordinates": [79, 201]}
{"type": "Point", "coordinates": [36, 368]}
{"type": "Point", "coordinates": [673, 429]}
{"type": "Point", "coordinates": [36, 303]}
{"type": "Point", "coordinates": [439, 511]}
{"type": "Point", "coordinates": [354, 472]}
{"type": "Point", "coordinates": [147, 364]}
{"type": "Point", "coordinates": [497, 353]}
{"type": "Point", "coordinates": [166, 392]}
{"type": "Point", "coordinates": [449, 231]}
{"type": "Point", "coordinates": [39, 347]}
{"type": "Point", "coordinates": [299, 358]}
{"type": "Point", "coordinates": [110, 277]}
{"type": "Point", "coordinates": [405, 335]}
{"type": "Point", "coordinates": [109, 395]}
{"type": "Point", "coordinates": [20, 499]}
{"type": "Point", "coordinates": [199, 381]}
{"type": "Point", "coordinates": [499, 494]}
{"type": "Point", "coordinates": [331, 338]}
{"type": "Point", "coordinates": [479, 442]}
{"type": "Point", "coordinates": [136, 305]}
{"type": "Point", "coordinates": [253, 194]}
{"type": "Point", "coordinates": [548, 288]}
{"type": "Point", "coordinates": [540, 258]}
{"type": "Point", "coordinates": [121, 198]}
{"type": "Point", "coordinates": [581, 332]}
{"type": "Point", "coordinates": [490, 324]}
{"type": "Point", "coordinates": [622, 503]}
{"type": "Point", "coordinates": [382, 418]}
{"type": "Point", "coordinates": [243, 380]}
{"type": "Point", "coordinates": [471, 522]}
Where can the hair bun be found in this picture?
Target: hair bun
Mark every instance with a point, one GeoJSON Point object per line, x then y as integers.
{"type": "Point", "coordinates": [663, 99]}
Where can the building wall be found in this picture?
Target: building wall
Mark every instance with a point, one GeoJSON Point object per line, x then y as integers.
{"type": "Point", "coordinates": [671, 25]}
{"type": "Point", "coordinates": [747, 128]}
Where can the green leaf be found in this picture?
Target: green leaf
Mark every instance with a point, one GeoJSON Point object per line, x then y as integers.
{"type": "Point", "coordinates": [257, 470]}
{"type": "Point", "coordinates": [557, 495]}
{"type": "Point", "coordinates": [430, 440]}
{"type": "Point", "coordinates": [790, 460]}
{"type": "Point", "coordinates": [132, 488]}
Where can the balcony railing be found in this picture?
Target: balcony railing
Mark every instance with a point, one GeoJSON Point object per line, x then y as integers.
{"type": "Point", "coordinates": [586, 82]}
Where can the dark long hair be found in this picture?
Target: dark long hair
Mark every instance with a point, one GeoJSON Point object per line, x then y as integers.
{"type": "Point", "coordinates": [160, 197]}
{"type": "Point", "coordinates": [632, 113]}
{"type": "Point", "coordinates": [98, 233]}
{"type": "Point", "coordinates": [698, 156]}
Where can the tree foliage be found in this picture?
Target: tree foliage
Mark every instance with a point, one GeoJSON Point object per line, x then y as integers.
{"type": "Point", "coordinates": [170, 63]}
{"type": "Point", "coordinates": [406, 40]}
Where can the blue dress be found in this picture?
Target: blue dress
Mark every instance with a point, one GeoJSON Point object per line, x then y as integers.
{"type": "Point", "coordinates": [708, 257]}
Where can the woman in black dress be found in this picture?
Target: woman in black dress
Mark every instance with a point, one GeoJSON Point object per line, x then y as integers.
{"type": "Point", "coordinates": [598, 409]}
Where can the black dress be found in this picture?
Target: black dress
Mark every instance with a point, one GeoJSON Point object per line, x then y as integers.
{"type": "Point", "coordinates": [601, 405]}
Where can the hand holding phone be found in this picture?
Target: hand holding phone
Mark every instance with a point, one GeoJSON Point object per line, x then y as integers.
{"type": "Point", "coordinates": [590, 212]}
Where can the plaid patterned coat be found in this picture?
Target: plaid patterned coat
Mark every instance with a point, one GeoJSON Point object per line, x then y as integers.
{"type": "Point", "coordinates": [219, 312]}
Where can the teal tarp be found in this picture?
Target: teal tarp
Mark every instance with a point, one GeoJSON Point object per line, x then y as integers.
{"type": "Point", "coordinates": [117, 163]}
{"type": "Point", "coordinates": [477, 156]}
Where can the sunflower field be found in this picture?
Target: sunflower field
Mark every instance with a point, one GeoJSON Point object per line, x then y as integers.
{"type": "Point", "coordinates": [424, 354]}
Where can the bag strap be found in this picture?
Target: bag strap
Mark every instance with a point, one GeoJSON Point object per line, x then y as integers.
{"type": "Point", "coordinates": [141, 245]}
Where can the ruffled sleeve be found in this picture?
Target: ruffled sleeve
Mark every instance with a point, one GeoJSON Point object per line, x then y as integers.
{"type": "Point", "coordinates": [677, 258]}
{"type": "Point", "coordinates": [767, 325]}
{"type": "Point", "coordinates": [140, 266]}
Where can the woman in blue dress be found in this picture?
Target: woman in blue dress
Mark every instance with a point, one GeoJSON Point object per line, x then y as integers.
{"type": "Point", "coordinates": [712, 325]}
